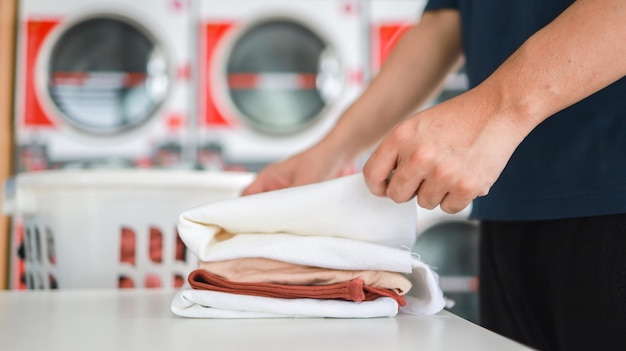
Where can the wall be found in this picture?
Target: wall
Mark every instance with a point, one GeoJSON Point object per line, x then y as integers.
{"type": "Point", "coordinates": [7, 44]}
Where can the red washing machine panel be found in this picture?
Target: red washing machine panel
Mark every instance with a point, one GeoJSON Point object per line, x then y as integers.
{"type": "Point", "coordinates": [36, 33]}
{"type": "Point", "coordinates": [213, 33]}
{"type": "Point", "coordinates": [386, 36]}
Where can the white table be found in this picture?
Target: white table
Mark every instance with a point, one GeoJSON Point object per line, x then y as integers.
{"type": "Point", "coordinates": [141, 320]}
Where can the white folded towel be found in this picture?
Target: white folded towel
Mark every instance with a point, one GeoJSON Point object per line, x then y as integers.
{"type": "Point", "coordinates": [213, 304]}
{"type": "Point", "coordinates": [336, 224]}
{"type": "Point", "coordinates": [342, 207]}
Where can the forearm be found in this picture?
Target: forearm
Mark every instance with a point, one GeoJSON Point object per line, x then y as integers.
{"type": "Point", "coordinates": [579, 53]}
{"type": "Point", "coordinates": [420, 62]}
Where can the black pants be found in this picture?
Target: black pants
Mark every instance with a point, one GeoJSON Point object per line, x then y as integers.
{"type": "Point", "coordinates": [557, 284]}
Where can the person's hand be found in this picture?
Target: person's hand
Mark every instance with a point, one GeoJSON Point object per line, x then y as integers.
{"type": "Point", "coordinates": [310, 166]}
{"type": "Point", "coordinates": [446, 155]}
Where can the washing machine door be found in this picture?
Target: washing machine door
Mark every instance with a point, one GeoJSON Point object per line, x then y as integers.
{"type": "Point", "coordinates": [281, 76]}
{"type": "Point", "coordinates": [106, 75]}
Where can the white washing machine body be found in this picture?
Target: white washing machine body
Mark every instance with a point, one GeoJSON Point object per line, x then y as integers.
{"type": "Point", "coordinates": [103, 80]}
{"type": "Point", "coordinates": [274, 75]}
{"type": "Point", "coordinates": [388, 20]}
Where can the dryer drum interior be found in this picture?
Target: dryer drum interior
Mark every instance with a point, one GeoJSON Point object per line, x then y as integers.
{"type": "Point", "coordinates": [106, 75]}
{"type": "Point", "coordinates": [281, 76]}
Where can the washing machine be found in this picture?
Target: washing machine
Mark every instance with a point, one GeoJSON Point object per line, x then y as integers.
{"type": "Point", "coordinates": [388, 20]}
{"type": "Point", "coordinates": [274, 75]}
{"type": "Point", "coordinates": [103, 83]}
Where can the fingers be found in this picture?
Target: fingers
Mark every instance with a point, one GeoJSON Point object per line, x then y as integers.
{"type": "Point", "coordinates": [391, 171]}
{"type": "Point", "coordinates": [439, 181]}
{"type": "Point", "coordinates": [403, 185]}
{"type": "Point", "coordinates": [378, 168]}
{"type": "Point", "coordinates": [255, 187]}
{"type": "Point", "coordinates": [451, 196]}
{"type": "Point", "coordinates": [435, 177]}
{"type": "Point", "coordinates": [430, 195]}
{"type": "Point", "coordinates": [453, 203]}
{"type": "Point", "coordinates": [463, 193]}
{"type": "Point", "coordinates": [265, 183]}
{"type": "Point", "coordinates": [386, 175]}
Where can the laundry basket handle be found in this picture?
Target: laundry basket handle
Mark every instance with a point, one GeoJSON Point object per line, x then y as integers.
{"type": "Point", "coordinates": [14, 203]}
{"type": "Point", "coordinates": [8, 196]}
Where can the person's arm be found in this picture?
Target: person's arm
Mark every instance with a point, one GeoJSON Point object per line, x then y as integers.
{"type": "Point", "coordinates": [413, 72]}
{"type": "Point", "coordinates": [417, 66]}
{"type": "Point", "coordinates": [453, 152]}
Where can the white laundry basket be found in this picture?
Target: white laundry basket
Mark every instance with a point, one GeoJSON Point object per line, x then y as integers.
{"type": "Point", "coordinates": [95, 228]}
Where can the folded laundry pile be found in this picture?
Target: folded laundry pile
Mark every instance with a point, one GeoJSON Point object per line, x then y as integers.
{"type": "Point", "coordinates": [330, 249]}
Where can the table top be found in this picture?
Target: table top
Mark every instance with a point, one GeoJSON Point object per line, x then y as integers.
{"type": "Point", "coordinates": [141, 320]}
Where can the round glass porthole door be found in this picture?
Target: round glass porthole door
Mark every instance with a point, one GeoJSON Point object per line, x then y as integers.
{"type": "Point", "coordinates": [281, 76]}
{"type": "Point", "coordinates": [106, 75]}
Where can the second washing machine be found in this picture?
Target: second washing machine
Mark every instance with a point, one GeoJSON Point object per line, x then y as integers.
{"type": "Point", "coordinates": [274, 75]}
{"type": "Point", "coordinates": [388, 20]}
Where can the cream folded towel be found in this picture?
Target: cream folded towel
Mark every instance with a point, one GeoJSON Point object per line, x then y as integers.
{"type": "Point", "coordinates": [336, 224]}
{"type": "Point", "coordinates": [264, 270]}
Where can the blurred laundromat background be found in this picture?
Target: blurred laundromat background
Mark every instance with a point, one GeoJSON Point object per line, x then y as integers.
{"type": "Point", "coordinates": [210, 85]}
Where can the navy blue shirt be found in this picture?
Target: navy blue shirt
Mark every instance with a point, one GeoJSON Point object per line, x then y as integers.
{"type": "Point", "coordinates": [574, 163]}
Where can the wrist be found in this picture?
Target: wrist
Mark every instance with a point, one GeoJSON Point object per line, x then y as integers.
{"type": "Point", "coordinates": [519, 113]}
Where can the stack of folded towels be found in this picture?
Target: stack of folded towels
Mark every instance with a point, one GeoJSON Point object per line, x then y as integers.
{"type": "Point", "coordinates": [330, 249]}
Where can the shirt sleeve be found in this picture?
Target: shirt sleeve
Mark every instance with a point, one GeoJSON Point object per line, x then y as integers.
{"type": "Point", "coordinates": [441, 4]}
